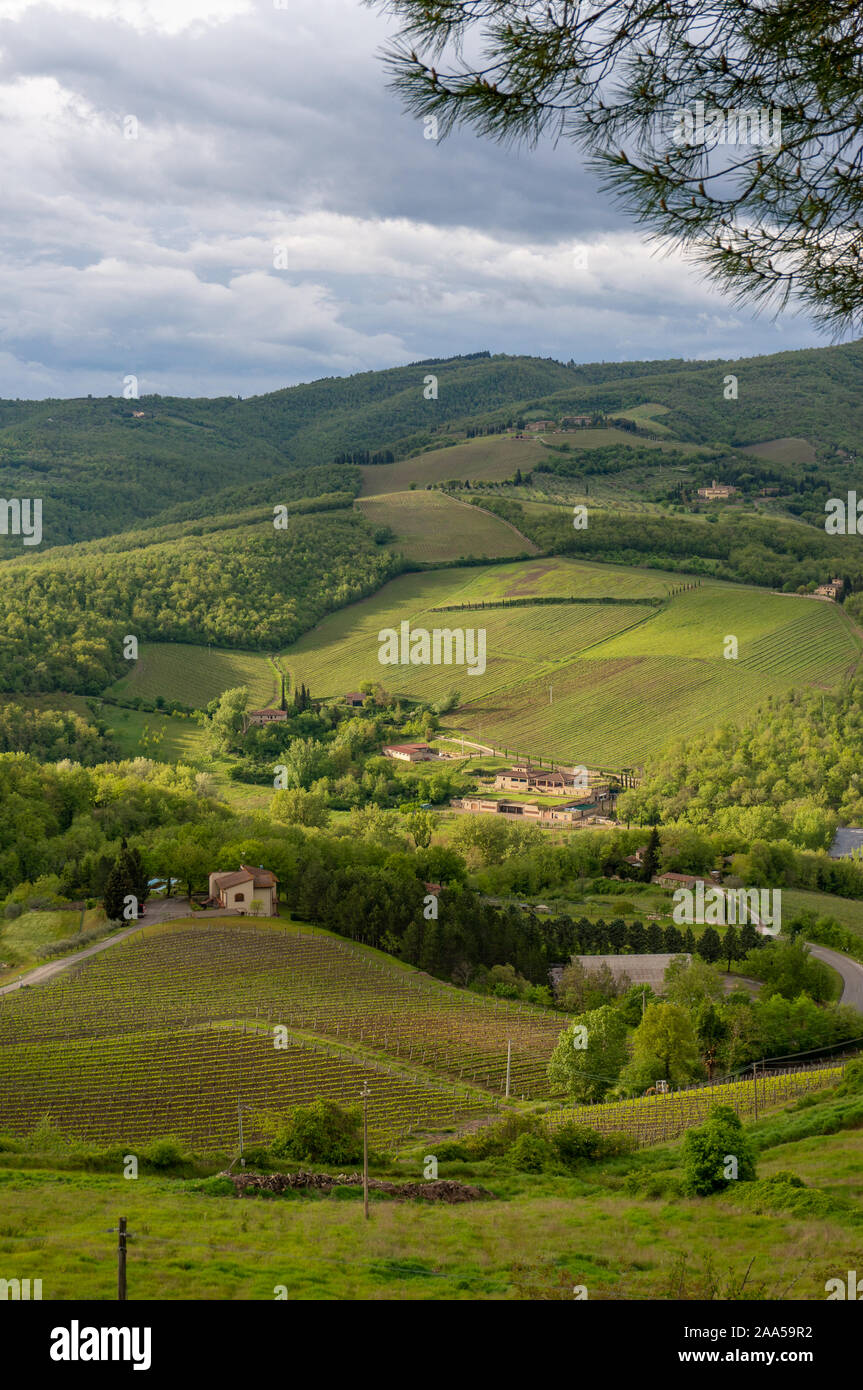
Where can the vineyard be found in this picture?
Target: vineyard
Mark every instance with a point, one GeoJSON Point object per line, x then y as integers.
{"type": "Point", "coordinates": [139, 1019]}
{"type": "Point", "coordinates": [430, 526]}
{"type": "Point", "coordinates": [604, 684]}
{"type": "Point", "coordinates": [195, 675]}
{"type": "Point", "coordinates": [188, 1083]}
{"type": "Point", "coordinates": [652, 1119]}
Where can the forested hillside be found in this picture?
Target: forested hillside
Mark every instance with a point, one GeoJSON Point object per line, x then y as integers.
{"type": "Point", "coordinates": [105, 465]}
{"type": "Point", "coordinates": [64, 615]}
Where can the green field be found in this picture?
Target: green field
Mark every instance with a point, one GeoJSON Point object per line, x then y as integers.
{"type": "Point", "coordinates": [195, 675]}
{"type": "Point", "coordinates": [785, 450]}
{"type": "Point", "coordinates": [491, 458]}
{"type": "Point", "coordinates": [167, 738]}
{"type": "Point", "coordinates": [604, 685]}
{"type": "Point", "coordinates": [430, 526]}
{"type": "Point", "coordinates": [536, 1237]}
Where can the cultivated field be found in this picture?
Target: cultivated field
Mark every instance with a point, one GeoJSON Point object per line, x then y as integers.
{"type": "Point", "coordinates": [195, 675]}
{"type": "Point", "coordinates": [108, 1050]}
{"type": "Point", "coordinates": [786, 450]}
{"type": "Point", "coordinates": [491, 458]}
{"type": "Point", "coordinates": [429, 527]}
{"type": "Point", "coordinates": [604, 684]}
{"type": "Point", "coordinates": [652, 1119]}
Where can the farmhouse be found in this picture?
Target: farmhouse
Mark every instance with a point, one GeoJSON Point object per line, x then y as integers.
{"type": "Point", "coordinates": [409, 752]}
{"type": "Point", "coordinates": [249, 889]}
{"type": "Point", "coordinates": [354, 699]}
{"type": "Point", "coordinates": [677, 880]}
{"type": "Point", "coordinates": [542, 425]}
{"type": "Point", "coordinates": [716, 491]}
{"type": "Point", "coordinates": [267, 716]}
{"type": "Point", "coordinates": [834, 589]}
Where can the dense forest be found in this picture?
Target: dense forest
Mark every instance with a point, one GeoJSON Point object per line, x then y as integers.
{"type": "Point", "coordinates": [63, 616]}
{"type": "Point", "coordinates": [725, 545]}
{"type": "Point", "coordinates": [794, 772]}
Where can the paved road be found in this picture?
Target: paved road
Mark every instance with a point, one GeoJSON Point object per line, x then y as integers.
{"type": "Point", "coordinates": [850, 970]}
{"type": "Point", "coordinates": [161, 911]}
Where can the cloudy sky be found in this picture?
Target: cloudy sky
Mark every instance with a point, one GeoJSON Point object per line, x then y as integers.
{"type": "Point", "coordinates": [222, 197]}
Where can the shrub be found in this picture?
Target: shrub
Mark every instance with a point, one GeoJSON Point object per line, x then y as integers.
{"type": "Point", "coordinates": [163, 1153]}
{"type": "Point", "coordinates": [783, 1176]}
{"type": "Point", "coordinates": [496, 1139]}
{"type": "Point", "coordinates": [12, 910]}
{"type": "Point", "coordinates": [322, 1132]}
{"type": "Point", "coordinates": [852, 1081]}
{"type": "Point", "coordinates": [530, 1153]}
{"type": "Point", "coordinates": [574, 1143]}
{"type": "Point", "coordinates": [216, 1187]}
{"type": "Point", "coordinates": [707, 1149]}
{"type": "Point", "coordinates": [448, 1153]}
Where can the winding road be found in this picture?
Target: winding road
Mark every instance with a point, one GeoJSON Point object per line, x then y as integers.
{"type": "Point", "coordinates": [160, 911]}
{"type": "Point", "coordinates": [850, 970]}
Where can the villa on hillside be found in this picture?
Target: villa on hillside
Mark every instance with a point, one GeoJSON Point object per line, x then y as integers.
{"type": "Point", "coordinates": [542, 425]}
{"type": "Point", "coordinates": [354, 699]}
{"type": "Point", "coordinates": [834, 589]}
{"type": "Point", "coordinates": [249, 889]}
{"type": "Point", "coordinates": [717, 490]}
{"type": "Point", "coordinates": [574, 813]}
{"type": "Point", "coordinates": [267, 716]}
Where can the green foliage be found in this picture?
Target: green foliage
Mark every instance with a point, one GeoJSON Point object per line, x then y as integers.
{"type": "Point", "coordinates": [241, 587]}
{"type": "Point", "coordinates": [530, 1153]}
{"type": "Point", "coordinates": [774, 777]}
{"type": "Point", "coordinates": [322, 1132]}
{"type": "Point", "coordinates": [787, 968]}
{"type": "Point", "coordinates": [706, 1151]}
{"type": "Point", "coordinates": [163, 1154]}
{"type": "Point", "coordinates": [666, 1035]}
{"type": "Point", "coordinates": [587, 1071]}
{"type": "Point", "coordinates": [53, 734]}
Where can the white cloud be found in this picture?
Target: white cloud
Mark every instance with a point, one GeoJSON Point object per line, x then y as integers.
{"type": "Point", "coordinates": [259, 126]}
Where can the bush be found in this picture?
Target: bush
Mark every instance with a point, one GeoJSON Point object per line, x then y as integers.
{"type": "Point", "coordinates": [322, 1132]}
{"type": "Point", "coordinates": [852, 1080]}
{"type": "Point", "coordinates": [495, 1140]}
{"type": "Point", "coordinates": [448, 1153]}
{"type": "Point", "coordinates": [216, 1187]}
{"type": "Point", "coordinates": [12, 910]}
{"type": "Point", "coordinates": [707, 1149]}
{"type": "Point", "coordinates": [163, 1153]}
{"type": "Point", "coordinates": [783, 1176]}
{"type": "Point", "coordinates": [530, 1153]}
{"type": "Point", "coordinates": [573, 1143]}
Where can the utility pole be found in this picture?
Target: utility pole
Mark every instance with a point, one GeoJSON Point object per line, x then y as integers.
{"type": "Point", "coordinates": [366, 1150]}
{"type": "Point", "coordinates": [122, 1235]}
{"type": "Point", "coordinates": [508, 1064]}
